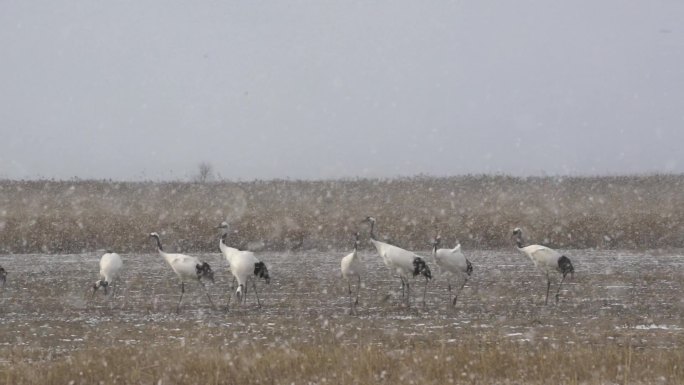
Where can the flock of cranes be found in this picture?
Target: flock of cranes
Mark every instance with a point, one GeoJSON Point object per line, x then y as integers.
{"type": "Point", "coordinates": [451, 262]}
{"type": "Point", "coordinates": [404, 264]}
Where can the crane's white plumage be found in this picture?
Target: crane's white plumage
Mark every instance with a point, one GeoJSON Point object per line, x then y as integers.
{"type": "Point", "coordinates": [402, 262]}
{"type": "Point", "coordinates": [452, 262]}
{"type": "Point", "coordinates": [546, 260]}
{"type": "Point", "coordinates": [352, 266]}
{"type": "Point", "coordinates": [110, 266]}
{"type": "Point", "coordinates": [187, 268]}
{"type": "Point", "coordinates": [244, 265]}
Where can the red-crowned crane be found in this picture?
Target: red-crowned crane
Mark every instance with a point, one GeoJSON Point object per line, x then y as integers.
{"type": "Point", "coordinates": [546, 260]}
{"type": "Point", "coordinates": [110, 266]}
{"type": "Point", "coordinates": [244, 265]}
{"type": "Point", "coordinates": [402, 262]}
{"type": "Point", "coordinates": [352, 266]}
{"type": "Point", "coordinates": [452, 262]}
{"type": "Point", "coordinates": [187, 268]}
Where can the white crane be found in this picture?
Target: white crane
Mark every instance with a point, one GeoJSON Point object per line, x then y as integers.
{"type": "Point", "coordinates": [352, 266]}
{"type": "Point", "coordinates": [3, 276]}
{"type": "Point", "coordinates": [243, 265]}
{"type": "Point", "coordinates": [402, 262]}
{"type": "Point", "coordinates": [186, 268]}
{"type": "Point", "coordinates": [452, 262]}
{"type": "Point", "coordinates": [546, 260]}
{"type": "Point", "coordinates": [110, 265]}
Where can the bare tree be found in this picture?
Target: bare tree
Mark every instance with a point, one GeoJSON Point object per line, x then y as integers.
{"type": "Point", "coordinates": [205, 173]}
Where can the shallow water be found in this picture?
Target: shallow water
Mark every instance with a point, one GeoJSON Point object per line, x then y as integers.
{"type": "Point", "coordinates": [46, 307]}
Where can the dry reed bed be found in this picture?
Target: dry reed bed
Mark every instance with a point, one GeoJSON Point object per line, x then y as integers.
{"type": "Point", "coordinates": [477, 361]}
{"type": "Point", "coordinates": [580, 212]}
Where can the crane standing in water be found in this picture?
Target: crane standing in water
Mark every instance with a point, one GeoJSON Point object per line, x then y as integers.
{"type": "Point", "coordinates": [546, 260]}
{"type": "Point", "coordinates": [352, 266]}
{"type": "Point", "coordinates": [402, 262]}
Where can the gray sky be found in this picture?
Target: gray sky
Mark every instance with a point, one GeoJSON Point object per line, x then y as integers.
{"type": "Point", "coordinates": [326, 89]}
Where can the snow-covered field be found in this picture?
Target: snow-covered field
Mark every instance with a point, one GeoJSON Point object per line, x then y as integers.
{"type": "Point", "coordinates": [616, 298]}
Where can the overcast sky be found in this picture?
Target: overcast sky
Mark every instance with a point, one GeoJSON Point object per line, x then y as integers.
{"type": "Point", "coordinates": [324, 89]}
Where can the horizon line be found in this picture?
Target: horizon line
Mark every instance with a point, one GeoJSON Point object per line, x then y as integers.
{"type": "Point", "coordinates": [353, 178]}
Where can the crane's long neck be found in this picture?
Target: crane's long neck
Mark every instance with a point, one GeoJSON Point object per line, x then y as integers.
{"type": "Point", "coordinates": [379, 246]}
{"type": "Point", "coordinates": [519, 241]}
{"type": "Point", "coordinates": [356, 242]}
{"type": "Point", "coordinates": [222, 242]}
{"type": "Point", "coordinates": [372, 232]}
{"type": "Point", "coordinates": [159, 245]}
{"type": "Point", "coordinates": [355, 253]}
{"type": "Point", "coordinates": [160, 249]}
{"type": "Point", "coordinates": [228, 252]}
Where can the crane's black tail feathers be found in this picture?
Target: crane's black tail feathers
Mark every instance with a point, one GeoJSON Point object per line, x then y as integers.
{"type": "Point", "coordinates": [565, 266]}
{"type": "Point", "coordinates": [420, 267]}
{"type": "Point", "coordinates": [203, 270]}
{"type": "Point", "coordinates": [469, 267]}
{"type": "Point", "coordinates": [261, 271]}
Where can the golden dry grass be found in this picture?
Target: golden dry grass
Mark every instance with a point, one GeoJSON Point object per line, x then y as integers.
{"type": "Point", "coordinates": [475, 361]}
{"type": "Point", "coordinates": [625, 212]}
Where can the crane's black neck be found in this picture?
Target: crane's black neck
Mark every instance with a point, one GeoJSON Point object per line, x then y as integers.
{"type": "Point", "coordinates": [519, 241]}
{"type": "Point", "coordinates": [159, 245]}
{"type": "Point", "coordinates": [435, 244]}
{"type": "Point", "coordinates": [372, 232]}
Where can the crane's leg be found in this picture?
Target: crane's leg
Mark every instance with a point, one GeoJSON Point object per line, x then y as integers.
{"type": "Point", "coordinates": [240, 294]}
{"type": "Point", "coordinates": [230, 293]}
{"type": "Point", "coordinates": [256, 293]}
{"type": "Point", "coordinates": [548, 287]}
{"type": "Point", "coordinates": [408, 293]}
{"type": "Point", "coordinates": [449, 287]}
{"type": "Point", "coordinates": [358, 289]}
{"type": "Point", "coordinates": [559, 288]}
{"type": "Point", "coordinates": [459, 291]}
{"type": "Point", "coordinates": [232, 288]}
{"type": "Point", "coordinates": [351, 307]}
{"type": "Point", "coordinates": [425, 292]}
{"type": "Point", "coordinates": [403, 285]}
{"type": "Point", "coordinates": [181, 297]}
{"type": "Point", "coordinates": [207, 293]}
